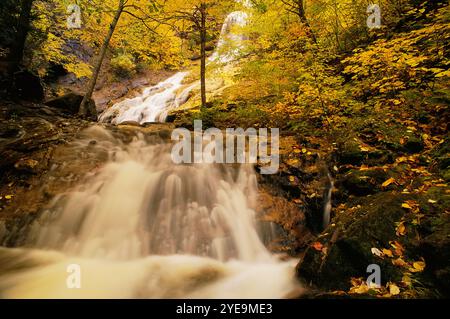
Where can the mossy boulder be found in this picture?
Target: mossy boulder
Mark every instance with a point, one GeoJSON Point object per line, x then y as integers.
{"type": "Point", "coordinates": [371, 222]}
{"type": "Point", "coordinates": [70, 104]}
{"type": "Point", "coordinates": [351, 152]}
{"type": "Point", "coordinates": [360, 183]}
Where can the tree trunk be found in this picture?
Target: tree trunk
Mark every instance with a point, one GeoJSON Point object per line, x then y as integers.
{"type": "Point", "coordinates": [91, 86]}
{"type": "Point", "coordinates": [203, 53]}
{"type": "Point", "coordinates": [297, 7]}
{"type": "Point", "coordinates": [17, 49]}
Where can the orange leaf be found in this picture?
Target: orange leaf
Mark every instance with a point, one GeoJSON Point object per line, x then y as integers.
{"type": "Point", "coordinates": [317, 246]}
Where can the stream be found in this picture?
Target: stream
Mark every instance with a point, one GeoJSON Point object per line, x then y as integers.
{"type": "Point", "coordinates": [140, 226]}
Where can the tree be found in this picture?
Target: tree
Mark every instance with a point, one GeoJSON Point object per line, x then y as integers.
{"type": "Point", "coordinates": [141, 11]}
{"type": "Point", "coordinates": [90, 89]}
{"type": "Point", "coordinates": [297, 7]}
{"type": "Point", "coordinates": [203, 16]}
{"type": "Point", "coordinates": [17, 20]}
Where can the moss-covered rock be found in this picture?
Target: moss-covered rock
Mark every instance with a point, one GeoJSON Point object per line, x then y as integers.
{"type": "Point", "coordinates": [349, 241]}
{"type": "Point", "coordinates": [372, 222]}
{"type": "Point", "coordinates": [359, 183]}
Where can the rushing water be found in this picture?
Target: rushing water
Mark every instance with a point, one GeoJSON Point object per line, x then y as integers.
{"type": "Point", "coordinates": [155, 102]}
{"type": "Point", "coordinates": [142, 227]}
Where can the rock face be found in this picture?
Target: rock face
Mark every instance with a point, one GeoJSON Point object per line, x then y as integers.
{"type": "Point", "coordinates": [349, 245]}
{"type": "Point", "coordinates": [29, 134]}
{"type": "Point", "coordinates": [70, 104]}
{"type": "Point", "coordinates": [28, 87]}
{"type": "Point", "coordinates": [372, 222]}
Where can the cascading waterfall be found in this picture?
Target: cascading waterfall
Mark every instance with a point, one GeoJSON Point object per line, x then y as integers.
{"type": "Point", "coordinates": [142, 227]}
{"type": "Point", "coordinates": [152, 105]}
{"type": "Point", "coordinates": [155, 102]}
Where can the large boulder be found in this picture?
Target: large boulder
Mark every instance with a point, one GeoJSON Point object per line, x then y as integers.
{"type": "Point", "coordinates": [70, 104]}
{"type": "Point", "coordinates": [345, 249]}
{"type": "Point", "coordinates": [27, 86]}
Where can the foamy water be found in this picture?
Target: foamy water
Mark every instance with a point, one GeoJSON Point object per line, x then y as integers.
{"type": "Point", "coordinates": [143, 227]}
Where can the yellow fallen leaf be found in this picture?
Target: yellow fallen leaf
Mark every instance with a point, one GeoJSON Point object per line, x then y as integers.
{"type": "Point", "coordinates": [406, 280]}
{"type": "Point", "coordinates": [418, 266]}
{"type": "Point", "coordinates": [388, 253]}
{"type": "Point", "coordinates": [364, 149]}
{"type": "Point", "coordinates": [406, 205]}
{"type": "Point", "coordinates": [291, 179]}
{"type": "Point", "coordinates": [399, 262]}
{"type": "Point", "coordinates": [361, 289]}
{"type": "Point", "coordinates": [394, 290]}
{"type": "Point", "coordinates": [388, 182]}
{"type": "Point", "coordinates": [8, 197]}
{"type": "Point", "coordinates": [304, 150]}
{"type": "Point", "coordinates": [401, 229]}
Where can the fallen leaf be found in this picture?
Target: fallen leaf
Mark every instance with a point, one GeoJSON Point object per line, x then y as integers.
{"type": "Point", "coordinates": [401, 229]}
{"type": "Point", "coordinates": [398, 248]}
{"type": "Point", "coordinates": [406, 205]}
{"type": "Point", "coordinates": [418, 266]}
{"type": "Point", "coordinates": [406, 280]}
{"type": "Point", "coordinates": [394, 290]}
{"type": "Point", "coordinates": [399, 262]}
{"type": "Point", "coordinates": [364, 149]}
{"type": "Point", "coordinates": [388, 182]}
{"type": "Point", "coordinates": [317, 246]}
{"type": "Point", "coordinates": [388, 253]}
{"type": "Point", "coordinates": [8, 197]}
{"type": "Point", "coordinates": [377, 252]}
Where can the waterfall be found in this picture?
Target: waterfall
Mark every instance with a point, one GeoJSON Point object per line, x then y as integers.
{"type": "Point", "coordinates": [143, 227]}
{"type": "Point", "coordinates": [328, 205]}
{"type": "Point", "coordinates": [155, 102]}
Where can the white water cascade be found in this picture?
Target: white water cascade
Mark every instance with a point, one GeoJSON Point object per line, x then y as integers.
{"type": "Point", "coordinates": [143, 227]}
{"type": "Point", "coordinates": [155, 102]}
{"type": "Point", "coordinates": [140, 226]}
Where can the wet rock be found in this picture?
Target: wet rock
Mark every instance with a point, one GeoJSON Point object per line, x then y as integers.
{"type": "Point", "coordinates": [360, 183]}
{"type": "Point", "coordinates": [28, 87]}
{"type": "Point", "coordinates": [350, 152]}
{"type": "Point", "coordinates": [414, 144]}
{"type": "Point", "coordinates": [288, 216]}
{"type": "Point", "coordinates": [70, 104]}
{"type": "Point", "coordinates": [27, 165]}
{"type": "Point", "coordinates": [130, 123]}
{"type": "Point", "coordinates": [438, 263]}
{"type": "Point", "coordinates": [349, 244]}
{"type": "Point", "coordinates": [371, 222]}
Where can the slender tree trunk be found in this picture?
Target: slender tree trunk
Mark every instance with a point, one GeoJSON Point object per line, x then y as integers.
{"type": "Point", "coordinates": [301, 12]}
{"type": "Point", "coordinates": [83, 111]}
{"type": "Point", "coordinates": [17, 50]}
{"type": "Point", "coordinates": [203, 53]}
